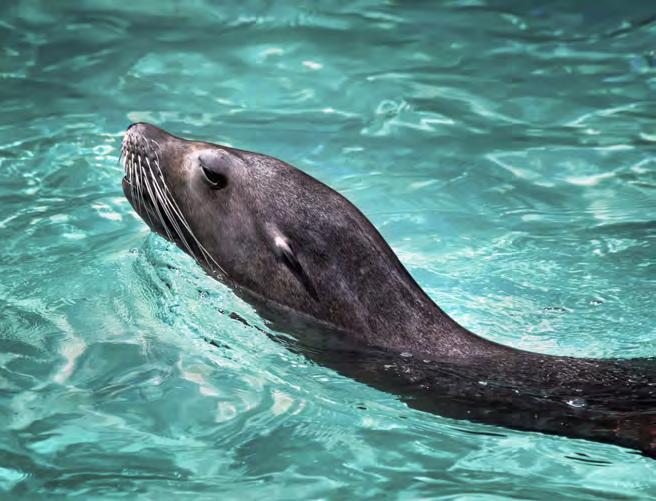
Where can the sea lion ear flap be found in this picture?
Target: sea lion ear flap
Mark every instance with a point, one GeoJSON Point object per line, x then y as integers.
{"type": "Point", "coordinates": [285, 252]}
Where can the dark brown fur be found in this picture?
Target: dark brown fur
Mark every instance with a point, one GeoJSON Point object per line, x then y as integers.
{"type": "Point", "coordinates": [311, 261]}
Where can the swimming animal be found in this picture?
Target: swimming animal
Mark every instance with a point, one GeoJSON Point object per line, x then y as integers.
{"type": "Point", "coordinates": [314, 266]}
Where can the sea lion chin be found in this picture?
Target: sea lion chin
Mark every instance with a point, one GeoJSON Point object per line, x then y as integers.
{"type": "Point", "coordinates": [311, 262]}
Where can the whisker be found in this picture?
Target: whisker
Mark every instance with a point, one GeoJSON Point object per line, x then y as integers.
{"type": "Point", "coordinates": [120, 155]}
{"type": "Point", "coordinates": [174, 206]}
{"type": "Point", "coordinates": [131, 179]}
{"type": "Point", "coordinates": [140, 189]}
{"type": "Point", "coordinates": [154, 196]}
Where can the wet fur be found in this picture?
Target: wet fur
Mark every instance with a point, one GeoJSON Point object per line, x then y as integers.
{"type": "Point", "coordinates": [315, 266]}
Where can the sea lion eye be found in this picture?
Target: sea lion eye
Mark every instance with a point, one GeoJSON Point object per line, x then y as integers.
{"type": "Point", "coordinates": [212, 174]}
{"type": "Point", "coordinates": [215, 180]}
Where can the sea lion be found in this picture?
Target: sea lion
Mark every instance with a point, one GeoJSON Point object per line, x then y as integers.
{"type": "Point", "coordinates": [313, 264]}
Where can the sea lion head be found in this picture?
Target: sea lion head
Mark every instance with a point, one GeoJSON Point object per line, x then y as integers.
{"type": "Point", "coordinates": [245, 217]}
{"type": "Point", "coordinates": [266, 227]}
{"type": "Point", "coordinates": [186, 192]}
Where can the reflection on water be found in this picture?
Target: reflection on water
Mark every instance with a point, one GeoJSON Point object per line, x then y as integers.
{"type": "Point", "coordinates": [505, 149]}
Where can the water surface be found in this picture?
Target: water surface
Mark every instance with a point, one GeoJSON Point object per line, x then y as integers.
{"type": "Point", "coordinates": [506, 150]}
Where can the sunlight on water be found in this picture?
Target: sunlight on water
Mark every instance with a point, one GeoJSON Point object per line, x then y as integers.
{"type": "Point", "coordinates": [505, 149]}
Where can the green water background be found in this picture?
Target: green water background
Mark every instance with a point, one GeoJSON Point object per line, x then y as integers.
{"type": "Point", "coordinates": [505, 149]}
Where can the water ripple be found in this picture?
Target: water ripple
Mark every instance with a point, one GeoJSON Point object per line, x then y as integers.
{"type": "Point", "coordinates": [505, 150]}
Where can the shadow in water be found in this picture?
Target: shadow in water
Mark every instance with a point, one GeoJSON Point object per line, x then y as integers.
{"type": "Point", "coordinates": [604, 400]}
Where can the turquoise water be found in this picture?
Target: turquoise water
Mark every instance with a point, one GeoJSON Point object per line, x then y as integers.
{"type": "Point", "coordinates": [506, 150]}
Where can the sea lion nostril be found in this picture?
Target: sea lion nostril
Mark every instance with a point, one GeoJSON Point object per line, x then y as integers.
{"type": "Point", "coordinates": [134, 127]}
